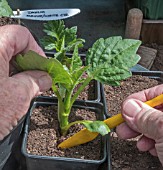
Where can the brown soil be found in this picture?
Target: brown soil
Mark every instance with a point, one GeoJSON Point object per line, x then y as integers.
{"type": "Point", "coordinates": [124, 154]}
{"type": "Point", "coordinates": [7, 21]}
{"type": "Point", "coordinates": [115, 95]}
{"type": "Point", "coordinates": [44, 135]}
{"type": "Point", "coordinates": [89, 92]}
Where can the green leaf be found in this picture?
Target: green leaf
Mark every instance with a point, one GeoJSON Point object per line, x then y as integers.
{"type": "Point", "coordinates": [54, 29]}
{"type": "Point", "coordinates": [113, 75]}
{"type": "Point", "coordinates": [101, 51]}
{"type": "Point", "coordinates": [5, 10]}
{"type": "Point", "coordinates": [70, 34]}
{"type": "Point", "coordinates": [76, 61]}
{"type": "Point", "coordinates": [62, 39]}
{"type": "Point", "coordinates": [49, 43]}
{"type": "Point", "coordinates": [55, 39]}
{"type": "Point", "coordinates": [125, 53]}
{"type": "Point", "coordinates": [78, 73]}
{"type": "Point", "coordinates": [110, 59]}
{"type": "Point", "coordinates": [97, 126]}
{"type": "Point", "coordinates": [33, 61]}
{"type": "Point", "coordinates": [71, 45]}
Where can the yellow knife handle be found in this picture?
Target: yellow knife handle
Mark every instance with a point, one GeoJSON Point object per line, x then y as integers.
{"type": "Point", "coordinates": [114, 121]}
{"type": "Point", "coordinates": [155, 101]}
{"type": "Point", "coordinates": [118, 119]}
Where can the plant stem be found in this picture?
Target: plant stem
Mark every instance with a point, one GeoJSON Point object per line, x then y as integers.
{"type": "Point", "coordinates": [67, 101]}
{"type": "Point", "coordinates": [61, 109]}
{"type": "Point", "coordinates": [64, 107]}
{"type": "Point", "coordinates": [55, 90]}
{"type": "Point", "coordinates": [81, 88]}
{"type": "Point", "coordinates": [64, 111]}
{"type": "Point", "coordinates": [62, 116]}
{"type": "Point", "coordinates": [65, 129]}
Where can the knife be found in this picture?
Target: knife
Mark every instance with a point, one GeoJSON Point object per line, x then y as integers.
{"type": "Point", "coordinates": [84, 135]}
{"type": "Point", "coordinates": [45, 14]}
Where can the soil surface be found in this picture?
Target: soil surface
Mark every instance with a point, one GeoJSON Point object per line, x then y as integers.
{"type": "Point", "coordinates": [115, 95]}
{"type": "Point", "coordinates": [7, 21]}
{"type": "Point", "coordinates": [44, 135]}
{"type": "Point", "coordinates": [124, 154]}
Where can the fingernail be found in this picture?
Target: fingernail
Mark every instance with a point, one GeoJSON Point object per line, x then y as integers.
{"type": "Point", "coordinates": [131, 108]}
{"type": "Point", "coordinates": [45, 83]}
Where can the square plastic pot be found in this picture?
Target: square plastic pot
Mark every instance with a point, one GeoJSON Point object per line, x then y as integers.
{"type": "Point", "coordinates": [97, 93]}
{"type": "Point", "coordinates": [36, 162]}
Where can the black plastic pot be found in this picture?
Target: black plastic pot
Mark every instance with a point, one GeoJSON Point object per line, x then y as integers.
{"type": "Point", "coordinates": [157, 75]}
{"type": "Point", "coordinates": [35, 162]}
{"type": "Point", "coordinates": [103, 101]}
{"type": "Point", "coordinates": [97, 97]}
{"type": "Point", "coordinates": [9, 146]}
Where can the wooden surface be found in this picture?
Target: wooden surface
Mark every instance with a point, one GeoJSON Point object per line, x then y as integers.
{"type": "Point", "coordinates": [148, 21]}
{"type": "Point", "coordinates": [147, 56]}
{"type": "Point", "coordinates": [152, 33]}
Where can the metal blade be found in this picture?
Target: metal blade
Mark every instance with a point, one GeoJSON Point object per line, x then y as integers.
{"type": "Point", "coordinates": [45, 14]}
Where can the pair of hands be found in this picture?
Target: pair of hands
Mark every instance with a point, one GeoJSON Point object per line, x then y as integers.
{"type": "Point", "coordinates": [16, 92]}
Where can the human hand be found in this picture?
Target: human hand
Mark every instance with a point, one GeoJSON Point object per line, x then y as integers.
{"type": "Point", "coordinates": [16, 91]}
{"type": "Point", "coordinates": [142, 119]}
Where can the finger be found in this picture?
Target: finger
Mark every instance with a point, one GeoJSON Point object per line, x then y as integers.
{"type": "Point", "coordinates": [12, 43]}
{"type": "Point", "coordinates": [125, 132]}
{"type": "Point", "coordinates": [143, 119]}
{"type": "Point", "coordinates": [147, 94]}
{"type": "Point", "coordinates": [145, 144]}
{"type": "Point", "coordinates": [34, 81]}
{"type": "Point", "coordinates": [6, 124]}
{"type": "Point", "coordinates": [22, 88]}
{"type": "Point", "coordinates": [5, 128]}
{"type": "Point", "coordinates": [7, 117]}
{"type": "Point", "coordinates": [153, 152]}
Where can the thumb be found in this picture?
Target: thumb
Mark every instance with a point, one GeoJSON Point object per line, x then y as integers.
{"type": "Point", "coordinates": [33, 82]}
{"type": "Point", "coordinates": [143, 119]}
